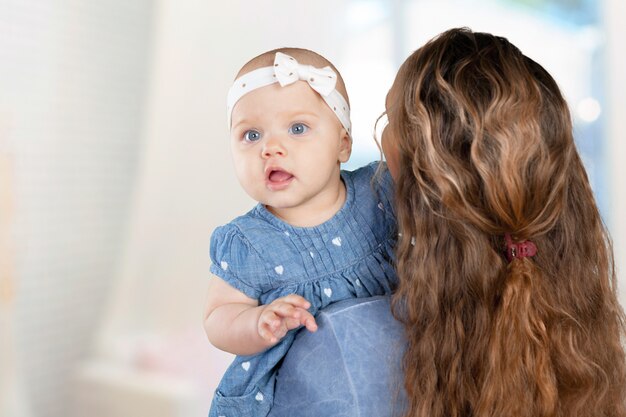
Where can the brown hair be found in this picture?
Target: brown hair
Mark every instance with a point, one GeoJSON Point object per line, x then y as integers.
{"type": "Point", "coordinates": [485, 147]}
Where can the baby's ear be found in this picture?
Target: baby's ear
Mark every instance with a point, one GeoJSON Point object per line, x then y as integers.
{"type": "Point", "coordinates": [345, 146]}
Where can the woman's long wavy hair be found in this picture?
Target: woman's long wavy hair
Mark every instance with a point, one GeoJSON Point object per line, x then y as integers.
{"type": "Point", "coordinates": [485, 147]}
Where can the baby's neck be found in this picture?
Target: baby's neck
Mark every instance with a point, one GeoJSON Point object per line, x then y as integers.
{"type": "Point", "coordinates": [315, 211]}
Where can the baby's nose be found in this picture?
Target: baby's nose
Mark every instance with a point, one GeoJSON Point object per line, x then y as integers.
{"type": "Point", "coordinates": [274, 147]}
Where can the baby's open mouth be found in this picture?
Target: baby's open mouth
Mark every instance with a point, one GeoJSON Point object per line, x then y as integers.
{"type": "Point", "coordinates": [278, 180]}
{"type": "Point", "coordinates": [277, 175]}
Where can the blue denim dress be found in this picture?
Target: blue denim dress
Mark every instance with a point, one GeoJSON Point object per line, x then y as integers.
{"type": "Point", "coordinates": [348, 256]}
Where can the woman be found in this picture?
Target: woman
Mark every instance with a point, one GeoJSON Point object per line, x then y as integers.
{"type": "Point", "coordinates": [507, 285]}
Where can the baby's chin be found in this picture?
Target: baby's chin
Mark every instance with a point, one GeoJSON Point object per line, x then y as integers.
{"type": "Point", "coordinates": [278, 204]}
{"type": "Point", "coordinates": [286, 207]}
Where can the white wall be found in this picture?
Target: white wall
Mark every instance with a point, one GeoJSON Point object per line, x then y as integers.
{"type": "Point", "coordinates": [71, 92]}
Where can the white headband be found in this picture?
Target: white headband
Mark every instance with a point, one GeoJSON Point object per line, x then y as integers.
{"type": "Point", "coordinates": [285, 71]}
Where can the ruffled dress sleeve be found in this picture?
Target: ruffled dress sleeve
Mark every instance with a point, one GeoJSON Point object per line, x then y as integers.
{"type": "Point", "coordinates": [236, 261]}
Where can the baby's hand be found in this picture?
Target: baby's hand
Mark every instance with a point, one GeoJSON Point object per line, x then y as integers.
{"type": "Point", "coordinates": [284, 314]}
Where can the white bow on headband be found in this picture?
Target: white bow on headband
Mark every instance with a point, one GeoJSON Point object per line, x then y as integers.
{"type": "Point", "coordinates": [287, 70]}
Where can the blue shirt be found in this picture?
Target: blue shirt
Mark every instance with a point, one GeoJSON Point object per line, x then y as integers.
{"type": "Point", "coordinates": [348, 256]}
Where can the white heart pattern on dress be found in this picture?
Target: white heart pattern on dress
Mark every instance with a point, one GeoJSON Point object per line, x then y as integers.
{"type": "Point", "coordinates": [224, 265]}
{"type": "Point", "coordinates": [358, 282]}
{"type": "Point", "coordinates": [337, 241]}
{"type": "Point", "coordinates": [380, 206]}
{"type": "Point", "coordinates": [312, 254]}
{"type": "Point", "coordinates": [328, 292]}
{"type": "Point", "coordinates": [279, 269]}
{"type": "Point", "coordinates": [245, 366]}
{"type": "Point", "coordinates": [259, 397]}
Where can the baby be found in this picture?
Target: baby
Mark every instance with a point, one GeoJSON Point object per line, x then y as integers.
{"type": "Point", "coordinates": [318, 235]}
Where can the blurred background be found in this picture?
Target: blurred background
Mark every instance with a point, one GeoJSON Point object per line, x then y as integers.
{"type": "Point", "coordinates": [115, 168]}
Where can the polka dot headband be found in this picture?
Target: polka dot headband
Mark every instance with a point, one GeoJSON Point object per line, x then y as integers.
{"type": "Point", "coordinates": [287, 70]}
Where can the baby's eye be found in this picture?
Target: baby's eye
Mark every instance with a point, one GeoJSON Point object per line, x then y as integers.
{"type": "Point", "coordinates": [251, 136]}
{"type": "Point", "coordinates": [298, 129]}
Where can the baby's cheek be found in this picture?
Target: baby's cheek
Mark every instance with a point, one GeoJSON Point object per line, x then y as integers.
{"type": "Point", "coordinates": [251, 182]}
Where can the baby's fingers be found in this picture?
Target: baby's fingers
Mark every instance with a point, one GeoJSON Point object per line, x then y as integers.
{"type": "Point", "coordinates": [269, 326]}
{"type": "Point", "coordinates": [266, 333]}
{"type": "Point", "coordinates": [307, 320]}
{"type": "Point", "coordinates": [285, 310]}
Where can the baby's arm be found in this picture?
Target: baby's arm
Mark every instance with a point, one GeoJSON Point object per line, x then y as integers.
{"type": "Point", "coordinates": [237, 324]}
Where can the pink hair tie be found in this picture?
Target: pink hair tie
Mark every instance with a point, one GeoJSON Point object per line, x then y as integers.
{"type": "Point", "coordinates": [523, 249]}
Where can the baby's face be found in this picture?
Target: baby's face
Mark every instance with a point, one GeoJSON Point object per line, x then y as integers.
{"type": "Point", "coordinates": [287, 145]}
